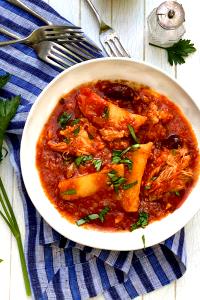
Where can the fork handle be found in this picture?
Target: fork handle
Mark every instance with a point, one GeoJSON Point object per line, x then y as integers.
{"type": "Point", "coordinates": [95, 11]}
{"type": "Point", "coordinates": [23, 6]}
{"type": "Point", "coordinates": [12, 35]}
{"type": "Point", "coordinates": [6, 43]}
{"type": "Point", "coordinates": [102, 24]}
{"type": "Point", "coordinates": [8, 33]}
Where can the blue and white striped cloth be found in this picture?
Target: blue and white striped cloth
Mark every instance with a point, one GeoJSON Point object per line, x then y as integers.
{"type": "Point", "coordinates": [73, 271]}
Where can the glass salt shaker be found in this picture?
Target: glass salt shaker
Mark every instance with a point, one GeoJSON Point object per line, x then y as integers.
{"type": "Point", "coordinates": [165, 24]}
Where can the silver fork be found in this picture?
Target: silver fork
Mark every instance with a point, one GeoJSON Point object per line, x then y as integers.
{"type": "Point", "coordinates": [86, 49]}
{"type": "Point", "coordinates": [108, 37]}
{"type": "Point", "coordinates": [57, 33]}
{"type": "Point", "coordinates": [51, 52]}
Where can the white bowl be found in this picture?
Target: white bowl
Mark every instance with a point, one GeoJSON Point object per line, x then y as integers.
{"type": "Point", "coordinates": [100, 69]}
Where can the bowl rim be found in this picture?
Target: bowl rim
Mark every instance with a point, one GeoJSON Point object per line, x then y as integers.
{"type": "Point", "coordinates": [88, 236]}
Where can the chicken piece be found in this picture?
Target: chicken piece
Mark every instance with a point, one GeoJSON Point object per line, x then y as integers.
{"type": "Point", "coordinates": [87, 185]}
{"type": "Point", "coordinates": [130, 197]}
{"type": "Point", "coordinates": [107, 116]}
{"type": "Point", "coordinates": [77, 144]}
{"type": "Point", "coordinates": [172, 174]}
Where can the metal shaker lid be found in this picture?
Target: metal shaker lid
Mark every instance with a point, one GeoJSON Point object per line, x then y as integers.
{"type": "Point", "coordinates": [170, 14]}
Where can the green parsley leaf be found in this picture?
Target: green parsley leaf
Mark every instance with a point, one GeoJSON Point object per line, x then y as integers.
{"type": "Point", "coordinates": [128, 162]}
{"type": "Point", "coordinates": [97, 163]}
{"type": "Point", "coordinates": [103, 212]}
{"type": "Point", "coordinates": [120, 153]}
{"type": "Point", "coordinates": [129, 185]}
{"type": "Point", "coordinates": [1, 260]}
{"type": "Point", "coordinates": [90, 217]}
{"type": "Point", "coordinates": [142, 221]}
{"type": "Point", "coordinates": [154, 178]}
{"type": "Point", "coordinates": [116, 159]}
{"type": "Point", "coordinates": [81, 221]}
{"type": "Point", "coordinates": [93, 217]}
{"type": "Point", "coordinates": [75, 121]}
{"type": "Point", "coordinates": [76, 131]}
{"type": "Point", "coordinates": [132, 132]}
{"type": "Point", "coordinates": [143, 240]}
{"type": "Point", "coordinates": [69, 192]}
{"type": "Point", "coordinates": [105, 114]}
{"type": "Point", "coordinates": [177, 193]}
{"type": "Point", "coordinates": [64, 119]}
{"type": "Point", "coordinates": [117, 152]}
{"type": "Point", "coordinates": [82, 159]}
{"type": "Point", "coordinates": [178, 51]}
{"type": "Point", "coordinates": [116, 180]}
{"type": "Point", "coordinates": [4, 79]}
{"type": "Point", "coordinates": [8, 109]}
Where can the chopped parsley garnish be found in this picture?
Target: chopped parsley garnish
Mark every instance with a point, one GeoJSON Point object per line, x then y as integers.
{"type": "Point", "coordinates": [115, 180]}
{"type": "Point", "coordinates": [97, 163]}
{"type": "Point", "coordinates": [141, 222]}
{"type": "Point", "coordinates": [105, 114]}
{"type": "Point", "coordinates": [69, 192]}
{"type": "Point", "coordinates": [132, 132]}
{"type": "Point", "coordinates": [128, 162]}
{"type": "Point", "coordinates": [90, 217]}
{"type": "Point", "coordinates": [76, 131]}
{"type": "Point", "coordinates": [82, 159]}
{"type": "Point", "coordinates": [75, 121]}
{"type": "Point", "coordinates": [64, 119]}
{"type": "Point", "coordinates": [118, 154]}
{"type": "Point", "coordinates": [147, 187]}
{"type": "Point", "coordinates": [143, 240]}
{"type": "Point", "coordinates": [117, 157]}
{"type": "Point", "coordinates": [177, 193]}
{"type": "Point", "coordinates": [103, 212]}
{"type": "Point", "coordinates": [154, 178]}
{"type": "Point", "coordinates": [129, 185]}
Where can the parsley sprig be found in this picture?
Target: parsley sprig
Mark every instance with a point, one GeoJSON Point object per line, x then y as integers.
{"type": "Point", "coordinates": [101, 216]}
{"type": "Point", "coordinates": [132, 132]}
{"type": "Point", "coordinates": [141, 222]}
{"type": "Point", "coordinates": [119, 158]}
{"type": "Point", "coordinates": [115, 180]}
{"type": "Point", "coordinates": [64, 119]}
{"type": "Point", "coordinates": [81, 160]}
{"type": "Point", "coordinates": [8, 109]}
{"type": "Point", "coordinates": [178, 51]}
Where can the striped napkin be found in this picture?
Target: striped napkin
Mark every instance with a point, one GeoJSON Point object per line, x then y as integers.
{"type": "Point", "coordinates": [71, 271]}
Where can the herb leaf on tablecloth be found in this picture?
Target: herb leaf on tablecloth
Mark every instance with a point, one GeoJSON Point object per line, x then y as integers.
{"type": "Point", "coordinates": [178, 51]}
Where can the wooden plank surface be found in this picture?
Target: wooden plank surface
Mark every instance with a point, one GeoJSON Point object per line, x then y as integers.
{"type": "Point", "coordinates": [128, 17]}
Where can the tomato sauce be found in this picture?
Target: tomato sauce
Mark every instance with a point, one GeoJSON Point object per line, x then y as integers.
{"type": "Point", "coordinates": [170, 172]}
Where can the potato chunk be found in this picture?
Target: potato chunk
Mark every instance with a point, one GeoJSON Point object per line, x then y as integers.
{"type": "Point", "coordinates": [130, 197]}
{"type": "Point", "coordinates": [87, 185]}
{"type": "Point", "coordinates": [108, 116]}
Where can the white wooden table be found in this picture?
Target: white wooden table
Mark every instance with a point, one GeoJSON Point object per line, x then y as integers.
{"type": "Point", "coordinates": [128, 17]}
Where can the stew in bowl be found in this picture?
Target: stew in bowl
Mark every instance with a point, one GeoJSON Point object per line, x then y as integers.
{"type": "Point", "coordinates": [116, 155]}
{"type": "Point", "coordinates": [109, 154]}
